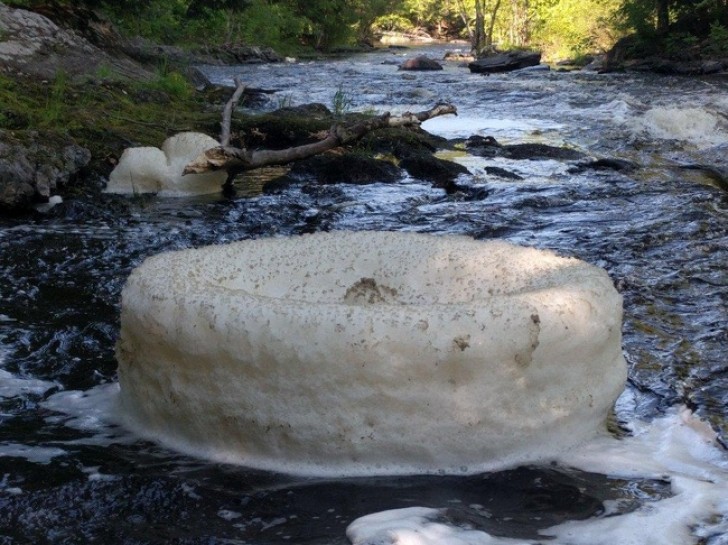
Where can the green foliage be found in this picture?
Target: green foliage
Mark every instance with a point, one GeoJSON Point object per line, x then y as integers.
{"type": "Point", "coordinates": [573, 28]}
{"type": "Point", "coordinates": [718, 40]}
{"type": "Point", "coordinates": [55, 102]}
{"type": "Point", "coordinates": [341, 103]}
{"type": "Point", "coordinates": [677, 43]}
{"type": "Point", "coordinates": [276, 25]}
{"type": "Point", "coordinates": [284, 101]}
{"type": "Point", "coordinates": [393, 22]}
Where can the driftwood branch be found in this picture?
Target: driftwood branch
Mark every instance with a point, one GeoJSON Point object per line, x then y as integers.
{"type": "Point", "coordinates": [229, 158]}
{"type": "Point", "coordinates": [227, 113]}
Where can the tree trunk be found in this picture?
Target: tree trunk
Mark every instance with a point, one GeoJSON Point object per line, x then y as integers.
{"type": "Point", "coordinates": [491, 26]}
{"type": "Point", "coordinates": [235, 160]}
{"type": "Point", "coordinates": [663, 16]}
{"type": "Point", "coordinates": [479, 38]}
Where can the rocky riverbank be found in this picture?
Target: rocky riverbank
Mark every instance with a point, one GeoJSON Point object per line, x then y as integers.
{"type": "Point", "coordinates": [75, 93]}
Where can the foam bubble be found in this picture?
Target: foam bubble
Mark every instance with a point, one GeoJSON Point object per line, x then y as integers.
{"type": "Point", "coordinates": [678, 447]}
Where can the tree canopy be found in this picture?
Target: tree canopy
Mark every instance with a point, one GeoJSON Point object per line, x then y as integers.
{"type": "Point", "coordinates": [560, 28]}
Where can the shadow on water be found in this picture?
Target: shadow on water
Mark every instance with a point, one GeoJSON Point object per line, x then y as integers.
{"type": "Point", "coordinates": [178, 501]}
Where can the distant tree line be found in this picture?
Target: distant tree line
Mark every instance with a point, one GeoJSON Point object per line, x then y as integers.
{"type": "Point", "coordinates": [561, 28]}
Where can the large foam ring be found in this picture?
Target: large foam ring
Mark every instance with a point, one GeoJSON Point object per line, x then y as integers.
{"type": "Point", "coordinates": [369, 352]}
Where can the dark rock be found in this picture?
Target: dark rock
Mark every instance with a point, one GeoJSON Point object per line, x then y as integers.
{"type": "Point", "coordinates": [489, 147]}
{"type": "Point", "coordinates": [427, 167]}
{"type": "Point", "coordinates": [502, 173]}
{"type": "Point", "coordinates": [32, 170]}
{"type": "Point", "coordinates": [607, 163]}
{"type": "Point", "coordinates": [283, 128]}
{"type": "Point", "coordinates": [349, 168]}
{"type": "Point", "coordinates": [505, 62]}
{"type": "Point", "coordinates": [329, 168]}
{"type": "Point", "coordinates": [420, 63]}
{"type": "Point", "coordinates": [716, 175]}
{"type": "Point", "coordinates": [713, 67]}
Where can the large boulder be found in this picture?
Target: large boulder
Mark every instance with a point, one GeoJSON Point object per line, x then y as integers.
{"type": "Point", "coordinates": [33, 44]}
{"type": "Point", "coordinates": [33, 169]}
{"type": "Point", "coordinates": [505, 62]}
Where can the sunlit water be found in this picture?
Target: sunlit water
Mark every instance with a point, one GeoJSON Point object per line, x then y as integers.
{"type": "Point", "coordinates": [69, 475]}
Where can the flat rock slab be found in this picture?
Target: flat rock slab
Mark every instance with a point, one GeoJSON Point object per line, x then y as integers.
{"type": "Point", "coordinates": [505, 62]}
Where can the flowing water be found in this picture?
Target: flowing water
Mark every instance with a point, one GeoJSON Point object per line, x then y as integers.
{"type": "Point", "coordinates": [69, 475]}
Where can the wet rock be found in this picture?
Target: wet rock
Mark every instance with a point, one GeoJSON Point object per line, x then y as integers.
{"type": "Point", "coordinates": [458, 56]}
{"type": "Point", "coordinates": [32, 170]}
{"type": "Point", "coordinates": [716, 175]}
{"type": "Point", "coordinates": [330, 168]}
{"type": "Point", "coordinates": [607, 163]}
{"type": "Point", "coordinates": [505, 62]}
{"type": "Point", "coordinates": [502, 173]}
{"type": "Point", "coordinates": [427, 167]}
{"type": "Point", "coordinates": [420, 63]}
{"type": "Point", "coordinates": [487, 146]}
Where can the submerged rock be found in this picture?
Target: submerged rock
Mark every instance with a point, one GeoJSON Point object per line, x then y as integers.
{"type": "Point", "coordinates": [605, 163]}
{"type": "Point", "coordinates": [332, 168]}
{"type": "Point", "coordinates": [420, 63]}
{"type": "Point", "coordinates": [427, 167]}
{"type": "Point", "coordinates": [487, 146]}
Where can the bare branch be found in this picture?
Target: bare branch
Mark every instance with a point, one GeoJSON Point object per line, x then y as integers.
{"type": "Point", "coordinates": [229, 158]}
{"type": "Point", "coordinates": [227, 113]}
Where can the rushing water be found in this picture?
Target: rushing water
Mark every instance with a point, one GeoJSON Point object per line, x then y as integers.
{"type": "Point", "coordinates": [68, 475]}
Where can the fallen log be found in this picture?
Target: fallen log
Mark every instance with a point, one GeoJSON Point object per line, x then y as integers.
{"type": "Point", "coordinates": [236, 160]}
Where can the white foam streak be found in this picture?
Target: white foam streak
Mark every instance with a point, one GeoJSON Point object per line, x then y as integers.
{"type": "Point", "coordinates": [414, 526]}
{"type": "Point", "coordinates": [678, 447]}
{"type": "Point", "coordinates": [12, 386]}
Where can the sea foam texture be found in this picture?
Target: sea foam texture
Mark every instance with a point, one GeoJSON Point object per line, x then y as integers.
{"type": "Point", "coordinates": [361, 353]}
{"type": "Point", "coordinates": [154, 170]}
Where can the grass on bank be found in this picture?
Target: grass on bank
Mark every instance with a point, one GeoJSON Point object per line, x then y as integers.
{"type": "Point", "coordinates": [105, 114]}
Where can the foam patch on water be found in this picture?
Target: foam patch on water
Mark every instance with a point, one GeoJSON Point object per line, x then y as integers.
{"type": "Point", "coordinates": [678, 447]}
{"type": "Point", "coordinates": [92, 411]}
{"type": "Point", "coordinates": [699, 126]}
{"type": "Point", "coordinates": [13, 386]}
{"type": "Point", "coordinates": [464, 126]}
{"type": "Point", "coordinates": [35, 454]}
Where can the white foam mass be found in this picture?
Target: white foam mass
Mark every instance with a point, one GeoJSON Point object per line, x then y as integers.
{"type": "Point", "coordinates": [369, 352]}
{"type": "Point", "coordinates": [700, 126]}
{"type": "Point", "coordinates": [678, 447]}
{"type": "Point", "coordinates": [154, 170]}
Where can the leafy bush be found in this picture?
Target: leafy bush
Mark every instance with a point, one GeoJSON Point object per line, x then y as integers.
{"type": "Point", "coordinates": [676, 44]}
{"type": "Point", "coordinates": [393, 23]}
{"type": "Point", "coordinates": [718, 40]}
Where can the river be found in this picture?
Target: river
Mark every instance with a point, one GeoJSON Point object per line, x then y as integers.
{"type": "Point", "coordinates": [69, 475]}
